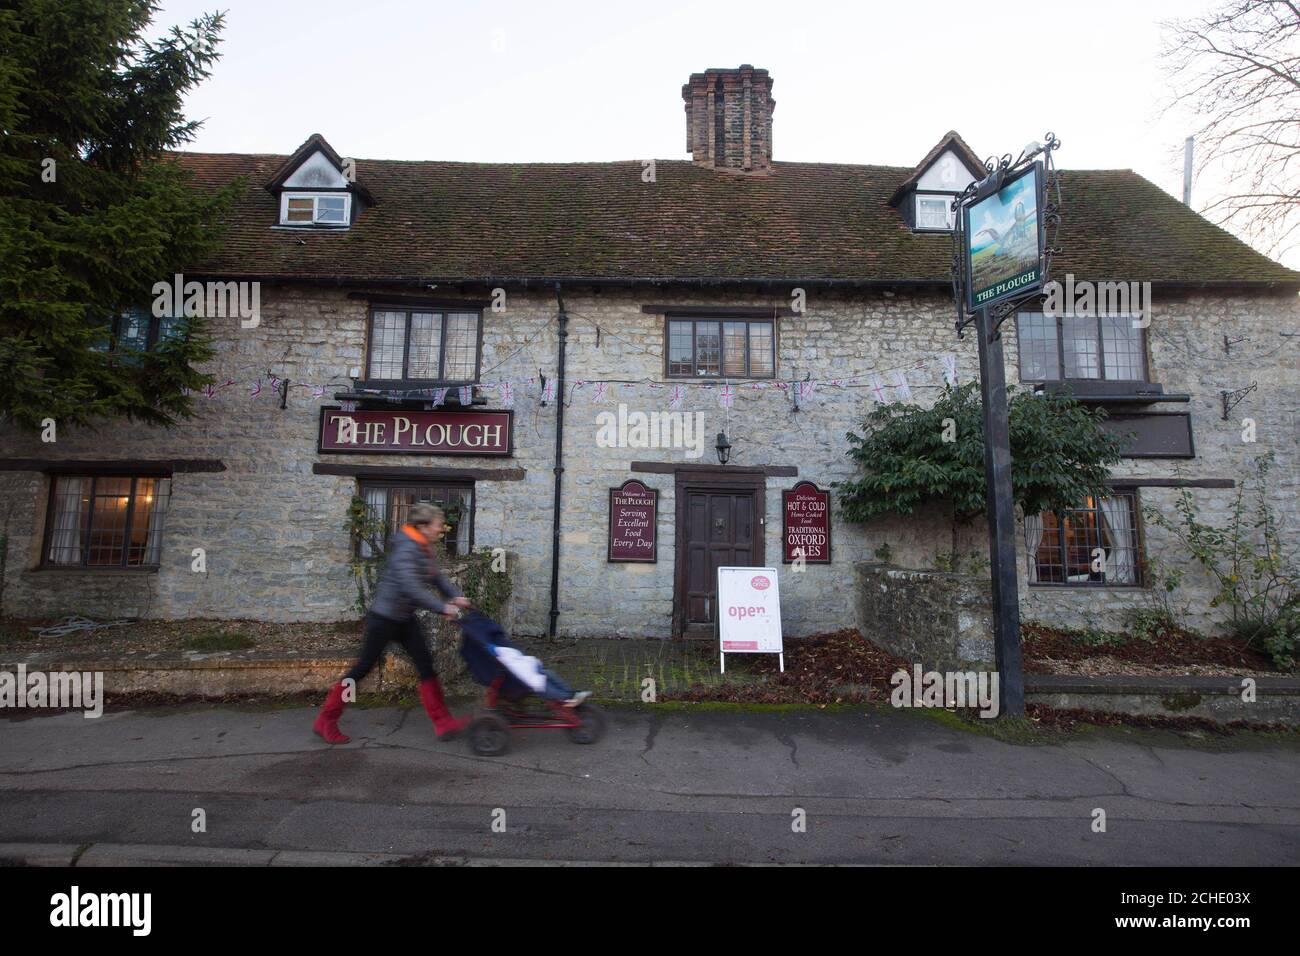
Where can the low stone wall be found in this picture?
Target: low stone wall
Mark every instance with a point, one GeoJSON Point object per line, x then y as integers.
{"type": "Point", "coordinates": [942, 621]}
{"type": "Point", "coordinates": [1275, 700]}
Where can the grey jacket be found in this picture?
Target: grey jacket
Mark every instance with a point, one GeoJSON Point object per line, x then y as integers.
{"type": "Point", "coordinates": [409, 572]}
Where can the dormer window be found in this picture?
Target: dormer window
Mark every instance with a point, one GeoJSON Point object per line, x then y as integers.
{"type": "Point", "coordinates": [315, 188]}
{"type": "Point", "coordinates": [924, 199]}
{"type": "Point", "coordinates": [934, 212]}
{"type": "Point", "coordinates": [315, 209]}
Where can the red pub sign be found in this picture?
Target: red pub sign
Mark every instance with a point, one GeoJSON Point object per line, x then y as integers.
{"type": "Point", "coordinates": [402, 432]}
{"type": "Point", "coordinates": [633, 512]}
{"type": "Point", "coordinates": [806, 523]}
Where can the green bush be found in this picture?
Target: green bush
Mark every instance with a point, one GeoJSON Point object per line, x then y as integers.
{"type": "Point", "coordinates": [911, 457]}
{"type": "Point", "coordinates": [1281, 640]}
{"type": "Point", "coordinates": [1256, 577]}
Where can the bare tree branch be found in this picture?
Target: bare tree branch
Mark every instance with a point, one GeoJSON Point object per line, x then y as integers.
{"type": "Point", "coordinates": [1237, 70]}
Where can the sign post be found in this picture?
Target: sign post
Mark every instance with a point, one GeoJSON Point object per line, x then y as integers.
{"type": "Point", "coordinates": [749, 613]}
{"type": "Point", "coordinates": [1000, 260]}
{"type": "Point", "coordinates": [1002, 519]}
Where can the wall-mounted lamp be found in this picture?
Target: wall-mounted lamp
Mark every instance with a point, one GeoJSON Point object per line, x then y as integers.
{"type": "Point", "coordinates": [723, 448]}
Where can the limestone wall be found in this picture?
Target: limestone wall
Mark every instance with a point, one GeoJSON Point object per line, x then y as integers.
{"type": "Point", "coordinates": [274, 532]}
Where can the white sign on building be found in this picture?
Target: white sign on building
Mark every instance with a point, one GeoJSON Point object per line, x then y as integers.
{"type": "Point", "coordinates": [749, 613]}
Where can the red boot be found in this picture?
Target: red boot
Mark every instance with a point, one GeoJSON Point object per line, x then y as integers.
{"type": "Point", "coordinates": [444, 724]}
{"type": "Point", "coordinates": [327, 724]}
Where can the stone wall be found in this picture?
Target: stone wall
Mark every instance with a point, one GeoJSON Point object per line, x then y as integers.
{"type": "Point", "coordinates": [274, 532]}
{"type": "Point", "coordinates": [940, 620]}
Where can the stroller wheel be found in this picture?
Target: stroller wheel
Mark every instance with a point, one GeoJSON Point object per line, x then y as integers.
{"type": "Point", "coordinates": [489, 735]}
{"type": "Point", "coordinates": [592, 727]}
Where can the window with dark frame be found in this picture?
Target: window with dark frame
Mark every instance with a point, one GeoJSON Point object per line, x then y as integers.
{"type": "Point", "coordinates": [138, 330]}
{"type": "Point", "coordinates": [390, 501]}
{"type": "Point", "coordinates": [1068, 549]}
{"type": "Point", "coordinates": [105, 521]}
{"type": "Point", "coordinates": [721, 348]}
{"type": "Point", "coordinates": [1074, 347]}
{"type": "Point", "coordinates": [423, 345]}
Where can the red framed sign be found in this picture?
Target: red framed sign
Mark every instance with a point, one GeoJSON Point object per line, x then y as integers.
{"type": "Point", "coordinates": [633, 517]}
{"type": "Point", "coordinates": [806, 524]}
{"type": "Point", "coordinates": [397, 432]}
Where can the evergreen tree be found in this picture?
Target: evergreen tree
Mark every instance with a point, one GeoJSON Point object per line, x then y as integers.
{"type": "Point", "coordinates": [94, 210]}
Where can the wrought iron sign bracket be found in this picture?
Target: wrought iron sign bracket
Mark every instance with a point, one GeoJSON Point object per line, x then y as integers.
{"type": "Point", "coordinates": [1234, 398]}
{"type": "Point", "coordinates": [1000, 169]}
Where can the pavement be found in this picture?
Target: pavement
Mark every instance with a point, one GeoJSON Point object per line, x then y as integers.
{"type": "Point", "coordinates": [668, 784]}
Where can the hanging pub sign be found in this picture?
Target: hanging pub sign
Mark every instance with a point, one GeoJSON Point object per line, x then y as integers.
{"type": "Point", "coordinates": [397, 432]}
{"type": "Point", "coordinates": [633, 513]}
{"type": "Point", "coordinates": [1004, 240]}
{"type": "Point", "coordinates": [806, 524]}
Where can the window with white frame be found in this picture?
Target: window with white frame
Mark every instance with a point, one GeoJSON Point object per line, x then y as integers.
{"type": "Point", "coordinates": [315, 209]}
{"type": "Point", "coordinates": [933, 212]}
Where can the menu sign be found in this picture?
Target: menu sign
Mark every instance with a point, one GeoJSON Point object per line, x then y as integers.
{"type": "Point", "coordinates": [633, 511]}
{"type": "Point", "coordinates": [416, 433]}
{"type": "Point", "coordinates": [806, 524]}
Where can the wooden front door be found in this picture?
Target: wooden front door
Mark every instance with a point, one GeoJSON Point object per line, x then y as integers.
{"type": "Point", "coordinates": [720, 527]}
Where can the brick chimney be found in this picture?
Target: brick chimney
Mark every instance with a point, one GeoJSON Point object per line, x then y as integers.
{"type": "Point", "coordinates": [729, 119]}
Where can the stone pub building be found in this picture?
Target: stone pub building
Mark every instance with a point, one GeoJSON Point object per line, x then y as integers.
{"type": "Point", "coordinates": [417, 318]}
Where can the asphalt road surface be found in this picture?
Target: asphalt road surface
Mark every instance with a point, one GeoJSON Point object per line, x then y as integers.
{"type": "Point", "coordinates": [667, 785]}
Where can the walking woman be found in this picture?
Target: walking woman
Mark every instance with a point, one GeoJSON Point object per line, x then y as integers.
{"type": "Point", "coordinates": [409, 570]}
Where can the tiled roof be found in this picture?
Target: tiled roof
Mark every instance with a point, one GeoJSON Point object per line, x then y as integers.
{"type": "Point", "coordinates": [803, 221]}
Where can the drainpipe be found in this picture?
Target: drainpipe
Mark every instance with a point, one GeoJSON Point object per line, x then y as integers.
{"type": "Point", "coordinates": [559, 466]}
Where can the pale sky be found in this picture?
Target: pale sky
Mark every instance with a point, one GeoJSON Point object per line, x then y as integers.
{"type": "Point", "coordinates": [868, 82]}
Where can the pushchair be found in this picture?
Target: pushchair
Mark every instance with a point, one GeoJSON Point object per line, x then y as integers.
{"type": "Point", "coordinates": [517, 691]}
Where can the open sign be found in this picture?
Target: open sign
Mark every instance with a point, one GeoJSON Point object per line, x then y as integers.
{"type": "Point", "coordinates": [749, 613]}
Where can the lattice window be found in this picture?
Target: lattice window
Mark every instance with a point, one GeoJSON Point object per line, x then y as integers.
{"type": "Point", "coordinates": [389, 503]}
{"type": "Point", "coordinates": [711, 348]}
{"type": "Point", "coordinates": [1108, 348]}
{"type": "Point", "coordinates": [424, 345]}
{"type": "Point", "coordinates": [1097, 544]}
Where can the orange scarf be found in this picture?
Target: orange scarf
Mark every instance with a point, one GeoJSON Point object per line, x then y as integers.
{"type": "Point", "coordinates": [410, 532]}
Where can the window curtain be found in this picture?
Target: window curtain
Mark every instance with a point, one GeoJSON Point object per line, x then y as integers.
{"type": "Point", "coordinates": [1033, 539]}
{"type": "Point", "coordinates": [65, 540]}
{"type": "Point", "coordinates": [462, 526]}
{"type": "Point", "coordinates": [1119, 559]}
{"type": "Point", "coordinates": [377, 504]}
{"type": "Point", "coordinates": [162, 492]}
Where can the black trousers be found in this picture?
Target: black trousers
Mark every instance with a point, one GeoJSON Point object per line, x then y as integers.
{"type": "Point", "coordinates": [379, 631]}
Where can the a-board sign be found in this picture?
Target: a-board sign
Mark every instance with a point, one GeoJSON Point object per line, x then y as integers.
{"type": "Point", "coordinates": [633, 516]}
{"type": "Point", "coordinates": [806, 524]}
{"type": "Point", "coordinates": [749, 613]}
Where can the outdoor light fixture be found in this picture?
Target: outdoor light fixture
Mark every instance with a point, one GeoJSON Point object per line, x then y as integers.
{"type": "Point", "coordinates": [723, 448]}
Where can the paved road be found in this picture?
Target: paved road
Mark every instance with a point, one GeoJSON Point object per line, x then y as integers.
{"type": "Point", "coordinates": [667, 785]}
